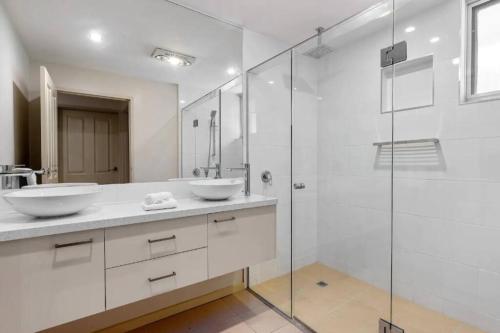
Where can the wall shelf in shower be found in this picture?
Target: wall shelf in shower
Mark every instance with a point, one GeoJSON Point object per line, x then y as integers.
{"type": "Point", "coordinates": [406, 142]}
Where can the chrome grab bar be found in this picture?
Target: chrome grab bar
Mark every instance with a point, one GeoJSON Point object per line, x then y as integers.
{"type": "Point", "coordinates": [150, 241]}
{"type": "Point", "coordinates": [232, 218]}
{"type": "Point", "coordinates": [58, 246]}
{"type": "Point", "coordinates": [162, 277]}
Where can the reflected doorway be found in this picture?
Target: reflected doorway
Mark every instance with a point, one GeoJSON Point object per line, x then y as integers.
{"type": "Point", "coordinates": [93, 143]}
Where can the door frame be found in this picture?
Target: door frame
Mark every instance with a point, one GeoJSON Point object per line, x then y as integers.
{"type": "Point", "coordinates": [101, 95]}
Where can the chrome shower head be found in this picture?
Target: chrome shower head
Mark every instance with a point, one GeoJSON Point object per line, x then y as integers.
{"type": "Point", "coordinates": [213, 113]}
{"type": "Point", "coordinates": [321, 49]}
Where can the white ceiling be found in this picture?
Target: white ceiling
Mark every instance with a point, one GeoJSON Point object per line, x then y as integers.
{"type": "Point", "coordinates": [288, 20]}
{"type": "Point", "coordinates": [56, 31]}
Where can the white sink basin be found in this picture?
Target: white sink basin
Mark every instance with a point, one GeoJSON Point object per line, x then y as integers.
{"type": "Point", "coordinates": [53, 201]}
{"type": "Point", "coordinates": [216, 189]}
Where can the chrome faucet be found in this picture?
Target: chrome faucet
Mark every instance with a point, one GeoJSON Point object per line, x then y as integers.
{"type": "Point", "coordinates": [216, 168]}
{"type": "Point", "coordinates": [10, 174]}
{"type": "Point", "coordinates": [246, 168]}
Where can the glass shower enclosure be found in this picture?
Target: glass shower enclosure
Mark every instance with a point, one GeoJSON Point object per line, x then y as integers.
{"type": "Point", "coordinates": [381, 135]}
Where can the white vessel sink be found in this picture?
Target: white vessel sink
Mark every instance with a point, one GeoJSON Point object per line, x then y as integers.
{"type": "Point", "coordinates": [53, 201]}
{"type": "Point", "coordinates": [216, 189]}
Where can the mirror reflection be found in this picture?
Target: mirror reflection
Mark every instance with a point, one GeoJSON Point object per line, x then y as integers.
{"type": "Point", "coordinates": [212, 133]}
{"type": "Point", "coordinates": [96, 94]}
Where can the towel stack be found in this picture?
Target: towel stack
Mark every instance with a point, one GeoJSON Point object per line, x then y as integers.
{"type": "Point", "coordinates": [160, 200]}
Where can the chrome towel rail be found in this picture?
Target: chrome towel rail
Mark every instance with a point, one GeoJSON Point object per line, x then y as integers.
{"type": "Point", "coordinates": [404, 142]}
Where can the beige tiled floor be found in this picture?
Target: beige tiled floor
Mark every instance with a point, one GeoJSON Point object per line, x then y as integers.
{"type": "Point", "coordinates": [350, 305]}
{"type": "Point", "coordinates": [238, 313]}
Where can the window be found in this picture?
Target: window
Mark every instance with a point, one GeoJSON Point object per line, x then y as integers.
{"type": "Point", "coordinates": [481, 68]}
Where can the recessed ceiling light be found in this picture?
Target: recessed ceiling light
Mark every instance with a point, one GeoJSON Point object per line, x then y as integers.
{"type": "Point", "coordinates": [271, 82]}
{"type": "Point", "coordinates": [410, 29]}
{"type": "Point", "coordinates": [231, 71]}
{"type": "Point", "coordinates": [95, 36]}
{"type": "Point", "coordinates": [173, 58]}
{"type": "Point", "coordinates": [182, 101]}
{"type": "Point", "coordinates": [455, 61]}
{"type": "Point", "coordinates": [320, 98]}
{"type": "Point", "coordinates": [434, 40]}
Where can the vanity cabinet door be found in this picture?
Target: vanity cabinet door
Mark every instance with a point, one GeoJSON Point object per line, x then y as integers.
{"type": "Point", "coordinates": [239, 239]}
{"type": "Point", "coordinates": [48, 281]}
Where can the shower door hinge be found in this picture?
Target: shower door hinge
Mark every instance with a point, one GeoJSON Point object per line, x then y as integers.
{"type": "Point", "coordinates": [386, 327]}
{"type": "Point", "coordinates": [393, 54]}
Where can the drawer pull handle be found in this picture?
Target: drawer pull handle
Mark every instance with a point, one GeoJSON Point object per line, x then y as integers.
{"type": "Point", "coordinates": [162, 277]}
{"type": "Point", "coordinates": [150, 241]}
{"type": "Point", "coordinates": [58, 246]}
{"type": "Point", "coordinates": [232, 218]}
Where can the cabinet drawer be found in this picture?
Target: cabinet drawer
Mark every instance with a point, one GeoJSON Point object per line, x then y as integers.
{"type": "Point", "coordinates": [130, 283]}
{"type": "Point", "coordinates": [48, 281]}
{"type": "Point", "coordinates": [129, 244]}
{"type": "Point", "coordinates": [240, 238]}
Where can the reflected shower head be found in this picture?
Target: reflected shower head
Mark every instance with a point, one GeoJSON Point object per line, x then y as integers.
{"type": "Point", "coordinates": [321, 49]}
{"type": "Point", "coordinates": [213, 113]}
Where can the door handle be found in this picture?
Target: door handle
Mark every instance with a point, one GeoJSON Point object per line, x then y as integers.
{"type": "Point", "coordinates": [299, 186]}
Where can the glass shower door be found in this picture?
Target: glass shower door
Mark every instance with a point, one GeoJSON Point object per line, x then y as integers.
{"type": "Point", "coordinates": [341, 176]}
{"type": "Point", "coordinates": [269, 150]}
{"type": "Point", "coordinates": [446, 180]}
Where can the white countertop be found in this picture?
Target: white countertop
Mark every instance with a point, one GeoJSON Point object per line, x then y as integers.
{"type": "Point", "coordinates": [15, 226]}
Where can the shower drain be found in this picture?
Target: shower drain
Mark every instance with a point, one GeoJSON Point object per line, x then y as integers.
{"type": "Point", "coordinates": [322, 284]}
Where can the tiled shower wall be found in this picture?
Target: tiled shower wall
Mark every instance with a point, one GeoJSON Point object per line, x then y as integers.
{"type": "Point", "coordinates": [447, 217]}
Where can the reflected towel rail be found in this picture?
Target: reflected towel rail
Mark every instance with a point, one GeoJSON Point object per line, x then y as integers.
{"type": "Point", "coordinates": [404, 142]}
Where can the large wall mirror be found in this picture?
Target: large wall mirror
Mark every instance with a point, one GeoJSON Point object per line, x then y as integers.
{"type": "Point", "coordinates": [93, 91]}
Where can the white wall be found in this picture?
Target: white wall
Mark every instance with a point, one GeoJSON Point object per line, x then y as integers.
{"type": "Point", "coordinates": [153, 115]}
{"type": "Point", "coordinates": [14, 67]}
{"type": "Point", "coordinates": [446, 223]}
{"type": "Point", "coordinates": [258, 47]}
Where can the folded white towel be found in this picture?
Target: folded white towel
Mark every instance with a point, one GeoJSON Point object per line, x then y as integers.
{"type": "Point", "coordinates": [156, 198]}
{"type": "Point", "coordinates": [166, 204]}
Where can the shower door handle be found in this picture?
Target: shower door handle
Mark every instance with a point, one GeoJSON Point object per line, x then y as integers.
{"type": "Point", "coordinates": [299, 186]}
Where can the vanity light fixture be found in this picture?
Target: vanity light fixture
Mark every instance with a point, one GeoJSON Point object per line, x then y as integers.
{"type": "Point", "coordinates": [410, 29]}
{"type": "Point", "coordinates": [95, 36]}
{"type": "Point", "coordinates": [173, 58]}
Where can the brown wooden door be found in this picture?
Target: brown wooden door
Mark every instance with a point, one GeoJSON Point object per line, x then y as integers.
{"type": "Point", "coordinates": [90, 148]}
